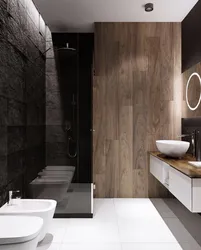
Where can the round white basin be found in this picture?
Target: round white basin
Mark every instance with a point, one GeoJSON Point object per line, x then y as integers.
{"type": "Point", "coordinates": [172, 148]}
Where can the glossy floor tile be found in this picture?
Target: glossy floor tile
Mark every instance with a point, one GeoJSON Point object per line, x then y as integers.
{"type": "Point", "coordinates": [135, 208]}
{"type": "Point", "coordinates": [144, 230]}
{"type": "Point", "coordinates": [50, 246]}
{"type": "Point", "coordinates": [89, 230]}
{"type": "Point", "coordinates": [162, 208]}
{"type": "Point", "coordinates": [127, 224]}
{"type": "Point", "coordinates": [90, 246]}
{"type": "Point", "coordinates": [151, 246]}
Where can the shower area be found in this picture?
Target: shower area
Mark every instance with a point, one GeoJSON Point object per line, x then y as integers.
{"type": "Point", "coordinates": [67, 176]}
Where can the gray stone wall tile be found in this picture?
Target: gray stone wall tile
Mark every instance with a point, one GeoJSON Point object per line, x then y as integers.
{"type": "Point", "coordinates": [42, 44]}
{"type": "Point", "coordinates": [51, 66]}
{"type": "Point", "coordinates": [52, 82]}
{"type": "Point", "coordinates": [3, 111]}
{"type": "Point", "coordinates": [48, 34]}
{"type": "Point", "coordinates": [53, 99]}
{"type": "Point", "coordinates": [35, 136]}
{"type": "Point", "coordinates": [15, 165]}
{"type": "Point", "coordinates": [53, 116]}
{"type": "Point", "coordinates": [35, 83]}
{"type": "Point", "coordinates": [16, 138]}
{"type": "Point", "coordinates": [3, 141]}
{"type": "Point", "coordinates": [16, 113]}
{"type": "Point", "coordinates": [32, 51]}
{"type": "Point", "coordinates": [42, 26]}
{"type": "Point", "coordinates": [22, 93]}
{"type": "Point", "coordinates": [3, 13]}
{"type": "Point", "coordinates": [16, 35]}
{"type": "Point", "coordinates": [56, 134]}
{"type": "Point", "coordinates": [14, 59]}
{"type": "Point", "coordinates": [56, 154]}
{"type": "Point", "coordinates": [35, 162]}
{"type": "Point", "coordinates": [33, 13]}
{"type": "Point", "coordinates": [53, 160]}
{"type": "Point", "coordinates": [23, 2]}
{"type": "Point", "coordinates": [18, 12]}
{"type": "Point", "coordinates": [3, 81]}
{"type": "Point", "coordinates": [50, 53]}
{"type": "Point", "coordinates": [16, 86]}
{"type": "Point", "coordinates": [56, 148]}
{"type": "Point", "coordinates": [35, 113]}
{"type": "Point", "coordinates": [3, 171]}
{"type": "Point", "coordinates": [37, 39]}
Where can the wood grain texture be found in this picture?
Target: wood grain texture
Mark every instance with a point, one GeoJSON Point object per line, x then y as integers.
{"type": "Point", "coordinates": [181, 165]}
{"type": "Point", "coordinates": [137, 66]}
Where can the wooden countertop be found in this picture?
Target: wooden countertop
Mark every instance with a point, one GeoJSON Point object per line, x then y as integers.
{"type": "Point", "coordinates": [181, 165]}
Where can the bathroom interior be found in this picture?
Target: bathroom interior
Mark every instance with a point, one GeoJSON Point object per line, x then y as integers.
{"type": "Point", "coordinates": [100, 125]}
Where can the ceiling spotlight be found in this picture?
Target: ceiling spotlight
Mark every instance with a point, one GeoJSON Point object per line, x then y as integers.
{"type": "Point", "coordinates": [149, 7]}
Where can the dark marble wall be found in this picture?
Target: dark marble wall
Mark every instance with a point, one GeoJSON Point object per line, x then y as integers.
{"type": "Point", "coordinates": [22, 94]}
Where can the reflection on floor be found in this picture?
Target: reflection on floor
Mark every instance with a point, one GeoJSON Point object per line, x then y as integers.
{"type": "Point", "coordinates": [128, 224]}
{"type": "Point", "coordinates": [77, 200]}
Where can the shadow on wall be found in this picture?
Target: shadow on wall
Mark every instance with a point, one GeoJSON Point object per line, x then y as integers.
{"type": "Point", "coordinates": [184, 225]}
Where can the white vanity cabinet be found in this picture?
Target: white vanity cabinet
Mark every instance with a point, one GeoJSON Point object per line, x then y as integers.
{"type": "Point", "coordinates": [160, 170]}
{"type": "Point", "coordinates": [187, 190]}
{"type": "Point", "coordinates": [180, 187]}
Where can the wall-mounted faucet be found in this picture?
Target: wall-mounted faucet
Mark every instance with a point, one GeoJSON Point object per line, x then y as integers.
{"type": "Point", "coordinates": [195, 142]}
{"type": "Point", "coordinates": [13, 195]}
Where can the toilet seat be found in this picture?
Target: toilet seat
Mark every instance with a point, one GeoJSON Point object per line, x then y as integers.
{"type": "Point", "coordinates": [18, 229]}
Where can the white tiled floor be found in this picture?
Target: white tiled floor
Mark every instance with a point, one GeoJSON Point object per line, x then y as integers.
{"type": "Point", "coordinates": [122, 224]}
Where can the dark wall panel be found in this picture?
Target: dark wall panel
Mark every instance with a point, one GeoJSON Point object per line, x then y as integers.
{"type": "Point", "coordinates": [191, 38]}
{"type": "Point", "coordinates": [22, 95]}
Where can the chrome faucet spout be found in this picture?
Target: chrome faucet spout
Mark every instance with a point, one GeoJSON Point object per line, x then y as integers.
{"type": "Point", "coordinates": [192, 135]}
{"type": "Point", "coordinates": [13, 195]}
{"type": "Point", "coordinates": [195, 142]}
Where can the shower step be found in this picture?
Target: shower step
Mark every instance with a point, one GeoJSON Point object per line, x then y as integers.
{"type": "Point", "coordinates": [56, 177]}
{"type": "Point", "coordinates": [56, 173]}
{"type": "Point", "coordinates": [60, 168]}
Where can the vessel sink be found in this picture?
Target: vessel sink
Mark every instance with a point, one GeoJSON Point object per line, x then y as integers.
{"type": "Point", "coordinates": [196, 164]}
{"type": "Point", "coordinates": [172, 148]}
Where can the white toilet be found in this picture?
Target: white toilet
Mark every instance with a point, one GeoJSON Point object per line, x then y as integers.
{"type": "Point", "coordinates": [19, 232]}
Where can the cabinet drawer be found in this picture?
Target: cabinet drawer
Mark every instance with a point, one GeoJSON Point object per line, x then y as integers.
{"type": "Point", "coordinates": [160, 170]}
{"type": "Point", "coordinates": [156, 168]}
{"type": "Point", "coordinates": [196, 193]}
{"type": "Point", "coordinates": [180, 187]}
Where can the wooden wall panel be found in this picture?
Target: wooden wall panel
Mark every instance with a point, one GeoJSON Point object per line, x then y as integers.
{"type": "Point", "coordinates": [136, 87]}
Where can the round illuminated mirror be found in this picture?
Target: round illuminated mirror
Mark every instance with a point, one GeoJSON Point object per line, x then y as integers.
{"type": "Point", "coordinates": [193, 91]}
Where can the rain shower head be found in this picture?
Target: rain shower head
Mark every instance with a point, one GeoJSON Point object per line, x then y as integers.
{"type": "Point", "coordinates": [67, 50]}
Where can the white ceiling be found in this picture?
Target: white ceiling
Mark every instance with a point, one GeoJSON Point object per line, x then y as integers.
{"type": "Point", "coordinates": [79, 15]}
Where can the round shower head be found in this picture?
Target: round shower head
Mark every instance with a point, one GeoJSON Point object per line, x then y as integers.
{"type": "Point", "coordinates": [67, 50]}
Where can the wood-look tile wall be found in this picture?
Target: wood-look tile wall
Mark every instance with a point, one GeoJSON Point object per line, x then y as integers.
{"type": "Point", "coordinates": [136, 100]}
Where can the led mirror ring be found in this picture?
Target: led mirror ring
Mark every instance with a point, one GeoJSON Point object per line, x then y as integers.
{"type": "Point", "coordinates": [187, 86]}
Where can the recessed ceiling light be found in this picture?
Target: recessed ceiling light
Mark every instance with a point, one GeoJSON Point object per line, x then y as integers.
{"type": "Point", "coordinates": [149, 7]}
